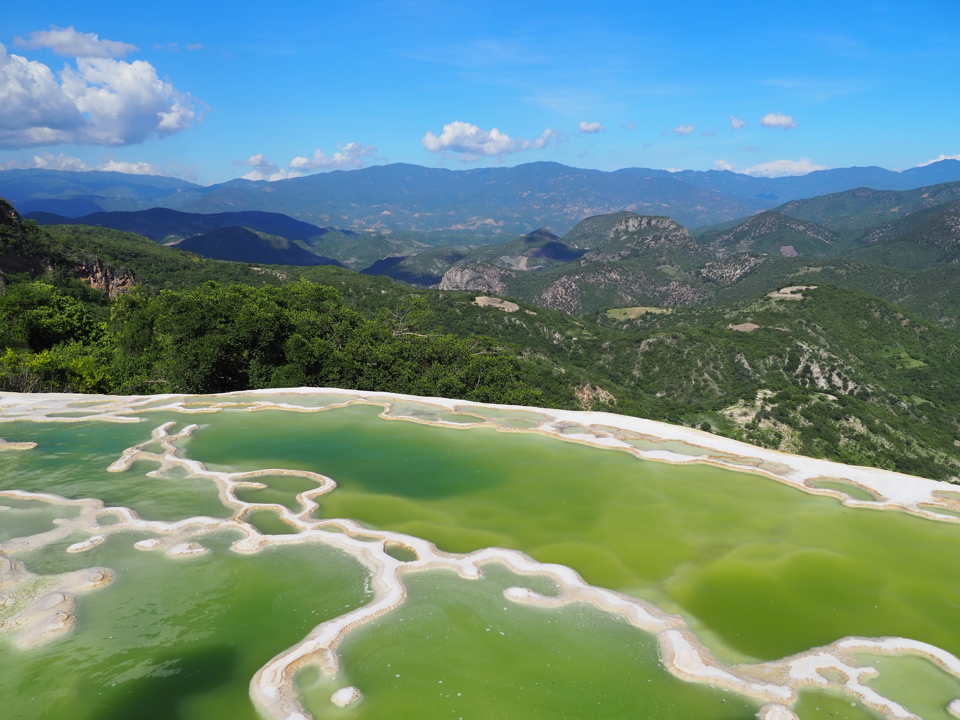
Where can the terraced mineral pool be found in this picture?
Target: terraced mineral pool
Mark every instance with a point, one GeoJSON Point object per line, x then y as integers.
{"type": "Point", "coordinates": [339, 554]}
{"type": "Point", "coordinates": [458, 645]}
{"type": "Point", "coordinates": [175, 640]}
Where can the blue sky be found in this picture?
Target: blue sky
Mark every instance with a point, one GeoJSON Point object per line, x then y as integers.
{"type": "Point", "coordinates": [214, 91]}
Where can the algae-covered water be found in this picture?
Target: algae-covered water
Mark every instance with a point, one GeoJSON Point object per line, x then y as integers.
{"type": "Point", "coordinates": [226, 550]}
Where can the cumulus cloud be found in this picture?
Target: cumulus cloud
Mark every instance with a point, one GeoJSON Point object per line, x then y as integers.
{"type": "Point", "coordinates": [131, 168]}
{"type": "Point", "coordinates": [349, 155]}
{"type": "Point", "coordinates": [684, 129]}
{"type": "Point", "coordinates": [48, 161]}
{"type": "Point", "coordinates": [782, 168]}
{"type": "Point", "coordinates": [473, 142]}
{"type": "Point", "coordinates": [71, 43]}
{"type": "Point", "coordinates": [939, 158]}
{"type": "Point", "coordinates": [737, 123]}
{"type": "Point", "coordinates": [60, 161]}
{"type": "Point", "coordinates": [262, 168]}
{"type": "Point", "coordinates": [590, 127]}
{"type": "Point", "coordinates": [97, 101]}
{"type": "Point", "coordinates": [778, 120]}
{"type": "Point", "coordinates": [724, 165]}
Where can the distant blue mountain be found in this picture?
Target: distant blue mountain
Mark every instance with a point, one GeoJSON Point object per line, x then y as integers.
{"type": "Point", "coordinates": [484, 201]}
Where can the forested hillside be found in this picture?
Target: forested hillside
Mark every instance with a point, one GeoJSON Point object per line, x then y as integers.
{"type": "Point", "coordinates": [821, 371]}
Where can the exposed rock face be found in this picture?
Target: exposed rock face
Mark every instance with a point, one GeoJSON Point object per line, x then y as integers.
{"type": "Point", "coordinates": [656, 227]}
{"type": "Point", "coordinates": [483, 278]}
{"type": "Point", "coordinates": [589, 396]}
{"type": "Point", "coordinates": [104, 278]}
{"type": "Point", "coordinates": [562, 294]}
{"type": "Point", "coordinates": [821, 369]}
{"type": "Point", "coordinates": [613, 236]}
{"type": "Point", "coordinates": [727, 272]}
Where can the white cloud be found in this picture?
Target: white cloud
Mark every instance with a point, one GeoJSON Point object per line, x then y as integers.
{"type": "Point", "coordinates": [724, 165]}
{"type": "Point", "coordinates": [262, 168]}
{"type": "Point", "coordinates": [737, 123]}
{"type": "Point", "coordinates": [71, 43]}
{"type": "Point", "coordinates": [684, 129]}
{"type": "Point", "coordinates": [782, 168]}
{"type": "Point", "coordinates": [49, 161]}
{"type": "Point", "coordinates": [473, 142]}
{"type": "Point", "coordinates": [348, 155]}
{"type": "Point", "coordinates": [131, 168]}
{"type": "Point", "coordinates": [590, 127]}
{"type": "Point", "coordinates": [60, 161]}
{"type": "Point", "coordinates": [939, 158]}
{"type": "Point", "coordinates": [778, 120]}
{"type": "Point", "coordinates": [98, 101]}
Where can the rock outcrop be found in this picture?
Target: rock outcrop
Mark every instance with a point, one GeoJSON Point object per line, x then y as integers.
{"type": "Point", "coordinates": [590, 396]}
{"type": "Point", "coordinates": [731, 269]}
{"type": "Point", "coordinates": [479, 277]}
{"type": "Point", "coordinates": [105, 278]}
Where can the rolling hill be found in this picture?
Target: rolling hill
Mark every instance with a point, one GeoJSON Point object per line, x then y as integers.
{"type": "Point", "coordinates": [347, 247]}
{"type": "Point", "coordinates": [165, 225]}
{"type": "Point", "coordinates": [775, 233]}
{"type": "Point", "coordinates": [922, 239]}
{"type": "Point", "coordinates": [853, 212]}
{"type": "Point", "coordinates": [242, 244]}
{"type": "Point", "coordinates": [424, 269]}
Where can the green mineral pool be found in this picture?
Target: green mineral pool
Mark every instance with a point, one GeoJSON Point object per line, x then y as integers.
{"type": "Point", "coordinates": [294, 555]}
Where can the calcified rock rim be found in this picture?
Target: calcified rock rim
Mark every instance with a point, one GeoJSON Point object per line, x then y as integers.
{"type": "Point", "coordinates": [774, 684]}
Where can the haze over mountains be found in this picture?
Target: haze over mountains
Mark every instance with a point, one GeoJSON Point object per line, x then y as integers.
{"type": "Point", "coordinates": [487, 201]}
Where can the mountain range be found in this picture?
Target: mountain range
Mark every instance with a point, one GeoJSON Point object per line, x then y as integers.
{"type": "Point", "coordinates": [620, 259]}
{"type": "Point", "coordinates": [497, 201]}
{"type": "Point", "coordinates": [628, 260]}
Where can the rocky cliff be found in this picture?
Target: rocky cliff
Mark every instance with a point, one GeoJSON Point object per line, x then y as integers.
{"type": "Point", "coordinates": [480, 277]}
{"type": "Point", "coordinates": [105, 278]}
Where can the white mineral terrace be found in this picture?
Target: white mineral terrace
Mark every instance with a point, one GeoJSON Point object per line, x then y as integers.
{"type": "Point", "coordinates": [41, 614]}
